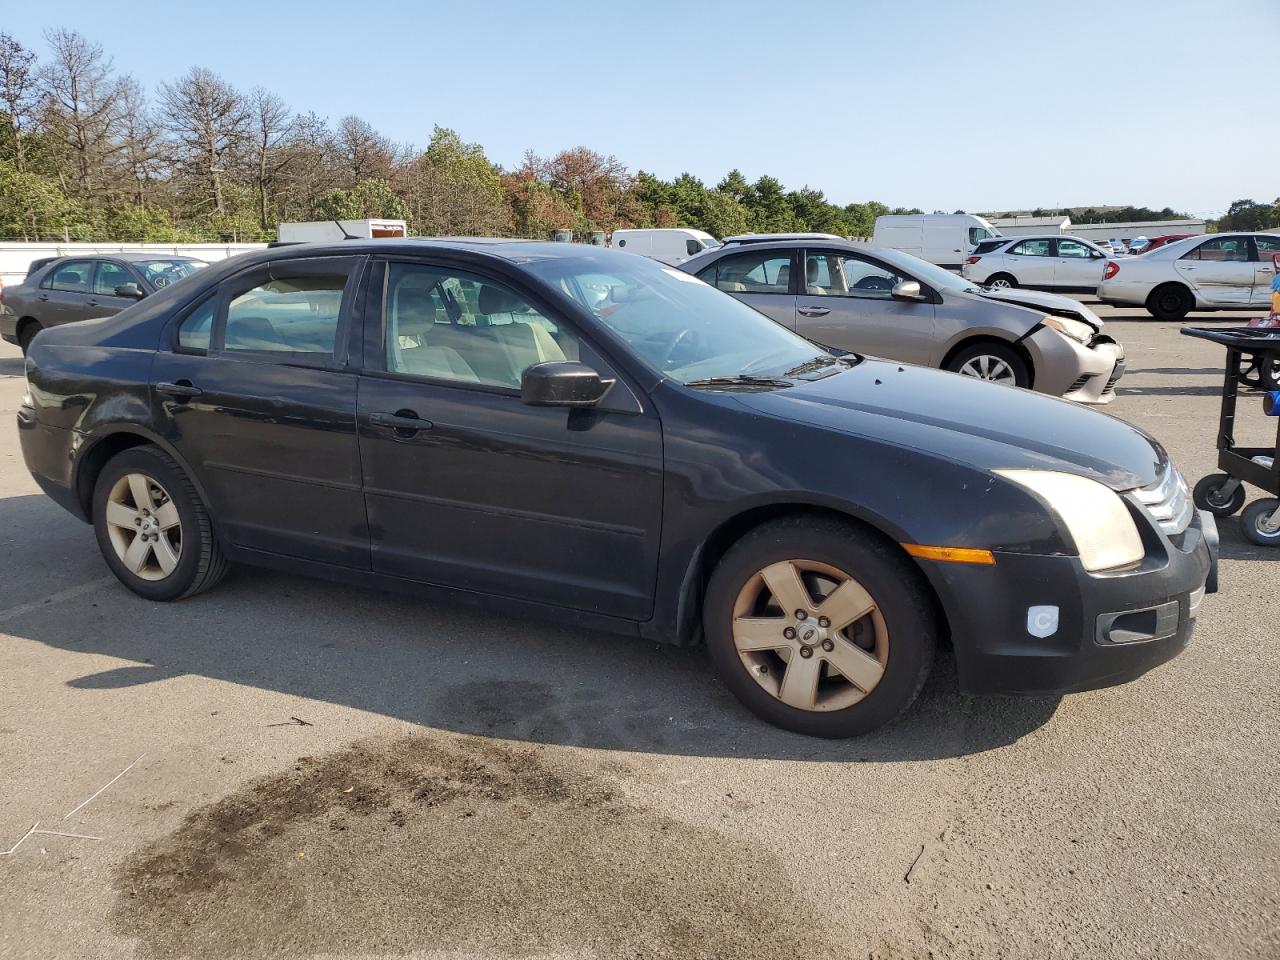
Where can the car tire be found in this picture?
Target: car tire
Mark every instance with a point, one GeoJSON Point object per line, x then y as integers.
{"type": "Point", "coordinates": [1207, 495]}
{"type": "Point", "coordinates": [883, 654]}
{"type": "Point", "coordinates": [26, 334]}
{"type": "Point", "coordinates": [1253, 520]}
{"type": "Point", "coordinates": [152, 528]}
{"type": "Point", "coordinates": [1001, 281]}
{"type": "Point", "coordinates": [1170, 301]}
{"type": "Point", "coordinates": [994, 362]}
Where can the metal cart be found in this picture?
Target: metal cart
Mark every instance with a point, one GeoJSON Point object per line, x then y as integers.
{"type": "Point", "coordinates": [1253, 362]}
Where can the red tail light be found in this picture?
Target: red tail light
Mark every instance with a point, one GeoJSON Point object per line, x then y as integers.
{"type": "Point", "coordinates": [1111, 270]}
{"type": "Point", "coordinates": [973, 260]}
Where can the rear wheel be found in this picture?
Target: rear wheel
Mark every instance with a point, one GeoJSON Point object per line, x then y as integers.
{"type": "Point", "coordinates": [818, 627]}
{"type": "Point", "coordinates": [152, 529]}
{"type": "Point", "coordinates": [991, 361]}
{"type": "Point", "coordinates": [1170, 301]}
{"type": "Point", "coordinates": [1002, 281]}
{"type": "Point", "coordinates": [1212, 493]}
{"type": "Point", "coordinates": [26, 333]}
{"type": "Point", "coordinates": [1261, 522]}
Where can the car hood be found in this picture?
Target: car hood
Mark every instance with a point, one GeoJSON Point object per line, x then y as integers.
{"type": "Point", "coordinates": [965, 420]}
{"type": "Point", "coordinates": [1053, 303]}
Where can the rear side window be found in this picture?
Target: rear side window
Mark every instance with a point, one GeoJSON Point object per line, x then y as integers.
{"type": "Point", "coordinates": [195, 330]}
{"type": "Point", "coordinates": [73, 277]}
{"type": "Point", "coordinates": [1233, 249]}
{"type": "Point", "coordinates": [757, 271]}
{"type": "Point", "coordinates": [286, 315]}
{"type": "Point", "coordinates": [1031, 248]}
{"type": "Point", "coordinates": [1267, 246]}
{"type": "Point", "coordinates": [988, 246]}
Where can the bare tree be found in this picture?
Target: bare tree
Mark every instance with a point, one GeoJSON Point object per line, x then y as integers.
{"type": "Point", "coordinates": [18, 93]}
{"type": "Point", "coordinates": [85, 102]}
{"type": "Point", "coordinates": [272, 126]}
{"type": "Point", "coordinates": [314, 168]}
{"type": "Point", "coordinates": [209, 125]}
{"type": "Point", "coordinates": [141, 153]}
{"type": "Point", "coordinates": [367, 154]}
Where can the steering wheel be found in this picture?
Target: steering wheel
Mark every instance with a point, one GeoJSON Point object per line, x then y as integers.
{"type": "Point", "coordinates": [688, 335]}
{"type": "Point", "coordinates": [874, 283]}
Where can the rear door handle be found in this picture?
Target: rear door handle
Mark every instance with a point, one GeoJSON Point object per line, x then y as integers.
{"type": "Point", "coordinates": [183, 391]}
{"type": "Point", "coordinates": [813, 311]}
{"type": "Point", "coordinates": [402, 421]}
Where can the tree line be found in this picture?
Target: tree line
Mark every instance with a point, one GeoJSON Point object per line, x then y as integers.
{"type": "Point", "coordinates": [87, 154]}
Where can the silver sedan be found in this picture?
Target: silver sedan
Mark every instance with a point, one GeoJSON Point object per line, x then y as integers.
{"type": "Point", "coordinates": [891, 304]}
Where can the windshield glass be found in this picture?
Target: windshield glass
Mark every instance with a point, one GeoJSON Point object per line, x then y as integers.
{"type": "Point", "coordinates": [680, 326]}
{"type": "Point", "coordinates": [709, 243]}
{"type": "Point", "coordinates": [161, 273]}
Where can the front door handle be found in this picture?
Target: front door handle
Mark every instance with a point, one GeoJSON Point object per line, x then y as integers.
{"type": "Point", "coordinates": [813, 311]}
{"type": "Point", "coordinates": [182, 390]}
{"type": "Point", "coordinates": [403, 422]}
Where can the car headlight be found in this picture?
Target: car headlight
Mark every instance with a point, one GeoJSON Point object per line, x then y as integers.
{"type": "Point", "coordinates": [1073, 329]}
{"type": "Point", "coordinates": [1094, 515]}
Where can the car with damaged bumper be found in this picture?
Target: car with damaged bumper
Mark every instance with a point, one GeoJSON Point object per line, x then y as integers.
{"type": "Point", "coordinates": [569, 431]}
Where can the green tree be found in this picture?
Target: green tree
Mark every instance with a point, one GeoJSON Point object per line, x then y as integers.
{"type": "Point", "coordinates": [453, 189]}
{"type": "Point", "coordinates": [372, 198]}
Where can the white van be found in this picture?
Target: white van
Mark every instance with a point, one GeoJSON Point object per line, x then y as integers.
{"type": "Point", "coordinates": [941, 238]}
{"type": "Point", "coordinates": [670, 246]}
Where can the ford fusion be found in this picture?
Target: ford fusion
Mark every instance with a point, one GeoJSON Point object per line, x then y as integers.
{"type": "Point", "coordinates": [557, 428]}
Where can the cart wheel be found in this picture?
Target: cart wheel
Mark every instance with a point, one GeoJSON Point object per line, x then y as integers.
{"type": "Point", "coordinates": [1208, 495]}
{"type": "Point", "coordinates": [1261, 522]}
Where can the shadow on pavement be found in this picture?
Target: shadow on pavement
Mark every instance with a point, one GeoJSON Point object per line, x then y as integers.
{"type": "Point", "coordinates": [446, 665]}
{"type": "Point", "coordinates": [11, 366]}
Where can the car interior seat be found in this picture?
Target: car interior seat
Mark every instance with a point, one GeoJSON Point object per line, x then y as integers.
{"type": "Point", "coordinates": [524, 343]}
{"type": "Point", "coordinates": [783, 280]}
{"type": "Point", "coordinates": [412, 348]}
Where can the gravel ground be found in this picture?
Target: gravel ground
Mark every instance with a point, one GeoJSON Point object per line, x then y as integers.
{"type": "Point", "coordinates": [463, 785]}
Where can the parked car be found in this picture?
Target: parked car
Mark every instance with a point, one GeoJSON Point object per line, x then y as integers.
{"type": "Point", "coordinates": [1139, 245]}
{"type": "Point", "coordinates": [939, 238]}
{"type": "Point", "coordinates": [745, 238]}
{"type": "Point", "coordinates": [552, 428]}
{"type": "Point", "coordinates": [1157, 242]}
{"type": "Point", "coordinates": [1046, 263]}
{"type": "Point", "coordinates": [1106, 246]}
{"type": "Point", "coordinates": [891, 304]}
{"type": "Point", "coordinates": [1219, 271]}
{"type": "Point", "coordinates": [670, 246]}
{"type": "Point", "coordinates": [66, 289]}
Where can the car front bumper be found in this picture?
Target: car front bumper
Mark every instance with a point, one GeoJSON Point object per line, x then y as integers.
{"type": "Point", "coordinates": [1106, 629]}
{"type": "Point", "coordinates": [1085, 373]}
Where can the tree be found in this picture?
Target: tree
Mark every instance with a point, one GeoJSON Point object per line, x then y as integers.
{"type": "Point", "coordinates": [368, 199]}
{"type": "Point", "coordinates": [209, 123]}
{"type": "Point", "coordinates": [1251, 215]}
{"type": "Point", "coordinates": [18, 93]}
{"type": "Point", "coordinates": [84, 101]}
{"type": "Point", "coordinates": [366, 153]}
{"type": "Point", "coordinates": [271, 126]}
{"type": "Point", "coordinates": [141, 154]}
{"type": "Point", "coordinates": [453, 189]}
{"type": "Point", "coordinates": [32, 207]}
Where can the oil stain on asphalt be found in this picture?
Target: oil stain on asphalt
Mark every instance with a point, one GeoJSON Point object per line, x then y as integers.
{"type": "Point", "coordinates": [455, 845]}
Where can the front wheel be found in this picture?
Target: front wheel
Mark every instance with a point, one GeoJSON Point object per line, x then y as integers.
{"type": "Point", "coordinates": [992, 361]}
{"type": "Point", "coordinates": [1209, 495]}
{"type": "Point", "coordinates": [1261, 522]}
{"type": "Point", "coordinates": [152, 529]}
{"type": "Point", "coordinates": [1171, 301]}
{"type": "Point", "coordinates": [1002, 281]}
{"type": "Point", "coordinates": [818, 627]}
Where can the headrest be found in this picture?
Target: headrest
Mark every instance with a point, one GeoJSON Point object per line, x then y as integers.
{"type": "Point", "coordinates": [496, 300]}
{"type": "Point", "coordinates": [414, 309]}
{"type": "Point", "coordinates": [811, 270]}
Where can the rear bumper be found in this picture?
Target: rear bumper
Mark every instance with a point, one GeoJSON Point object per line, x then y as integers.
{"type": "Point", "coordinates": [9, 328]}
{"type": "Point", "coordinates": [48, 454]}
{"type": "Point", "coordinates": [1109, 629]}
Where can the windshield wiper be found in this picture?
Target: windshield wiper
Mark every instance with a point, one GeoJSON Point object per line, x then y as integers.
{"type": "Point", "coordinates": [818, 363]}
{"type": "Point", "coordinates": [739, 380]}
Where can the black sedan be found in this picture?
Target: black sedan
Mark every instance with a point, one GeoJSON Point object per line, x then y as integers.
{"type": "Point", "coordinates": [558, 428]}
{"type": "Point", "coordinates": [59, 290]}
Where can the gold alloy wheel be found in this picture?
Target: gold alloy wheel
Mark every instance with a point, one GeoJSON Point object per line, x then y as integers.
{"type": "Point", "coordinates": [810, 635]}
{"type": "Point", "coordinates": [142, 522]}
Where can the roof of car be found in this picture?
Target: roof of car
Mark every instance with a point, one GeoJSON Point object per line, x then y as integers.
{"type": "Point", "coordinates": [510, 248]}
{"type": "Point", "coordinates": [132, 256]}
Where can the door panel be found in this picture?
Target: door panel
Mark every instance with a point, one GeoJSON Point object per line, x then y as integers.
{"type": "Point", "coordinates": [65, 298]}
{"type": "Point", "coordinates": [1220, 270]}
{"type": "Point", "coordinates": [1264, 278]}
{"type": "Point", "coordinates": [760, 279]}
{"type": "Point", "coordinates": [1031, 263]}
{"type": "Point", "coordinates": [1075, 266]}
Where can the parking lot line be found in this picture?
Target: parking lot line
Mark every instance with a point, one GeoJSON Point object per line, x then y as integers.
{"type": "Point", "coordinates": [68, 594]}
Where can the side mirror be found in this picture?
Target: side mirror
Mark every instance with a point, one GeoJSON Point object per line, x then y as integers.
{"type": "Point", "coordinates": [129, 290]}
{"type": "Point", "coordinates": [562, 383]}
{"type": "Point", "coordinates": [907, 290]}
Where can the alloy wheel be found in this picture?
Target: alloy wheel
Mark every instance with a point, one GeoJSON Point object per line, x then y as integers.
{"type": "Point", "coordinates": [810, 635]}
{"type": "Point", "coordinates": [144, 526]}
{"type": "Point", "coordinates": [986, 367]}
{"type": "Point", "coordinates": [998, 284]}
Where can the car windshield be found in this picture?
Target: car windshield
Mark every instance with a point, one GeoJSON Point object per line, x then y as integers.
{"type": "Point", "coordinates": [709, 243]}
{"type": "Point", "coordinates": [161, 273]}
{"type": "Point", "coordinates": [680, 326]}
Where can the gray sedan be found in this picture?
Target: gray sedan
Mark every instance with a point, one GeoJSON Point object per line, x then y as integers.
{"type": "Point", "coordinates": [891, 304]}
{"type": "Point", "coordinates": [65, 289]}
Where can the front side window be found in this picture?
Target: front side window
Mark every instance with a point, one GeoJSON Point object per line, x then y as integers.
{"type": "Point", "coordinates": [677, 324]}
{"type": "Point", "coordinates": [73, 277]}
{"type": "Point", "coordinates": [444, 324]}
{"type": "Point", "coordinates": [834, 274]}
{"type": "Point", "coordinates": [1074, 249]}
{"type": "Point", "coordinates": [1222, 249]}
{"type": "Point", "coordinates": [1267, 246]}
{"type": "Point", "coordinates": [286, 315]}
{"type": "Point", "coordinates": [757, 271]}
{"type": "Point", "coordinates": [1031, 248]}
{"type": "Point", "coordinates": [197, 327]}
{"type": "Point", "coordinates": [109, 276]}
{"type": "Point", "coordinates": [978, 234]}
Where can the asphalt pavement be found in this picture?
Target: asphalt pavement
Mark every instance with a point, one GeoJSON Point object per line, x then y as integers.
{"type": "Point", "coordinates": [312, 770]}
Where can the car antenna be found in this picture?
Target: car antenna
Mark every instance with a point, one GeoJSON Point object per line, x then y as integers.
{"type": "Point", "coordinates": [345, 235]}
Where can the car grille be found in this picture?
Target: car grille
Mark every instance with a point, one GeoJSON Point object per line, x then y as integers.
{"type": "Point", "coordinates": [1116, 374]}
{"type": "Point", "coordinates": [1079, 382]}
{"type": "Point", "coordinates": [1168, 501]}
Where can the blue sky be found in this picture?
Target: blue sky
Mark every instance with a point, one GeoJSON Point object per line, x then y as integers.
{"type": "Point", "coordinates": [973, 105]}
